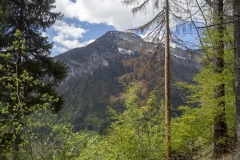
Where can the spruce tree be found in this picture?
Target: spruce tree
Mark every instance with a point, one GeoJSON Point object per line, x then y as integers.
{"type": "Point", "coordinates": [31, 18]}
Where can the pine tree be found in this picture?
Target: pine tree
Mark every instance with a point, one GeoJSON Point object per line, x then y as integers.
{"type": "Point", "coordinates": [31, 18]}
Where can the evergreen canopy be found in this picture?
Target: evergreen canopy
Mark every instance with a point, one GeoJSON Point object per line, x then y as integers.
{"type": "Point", "coordinates": [31, 18]}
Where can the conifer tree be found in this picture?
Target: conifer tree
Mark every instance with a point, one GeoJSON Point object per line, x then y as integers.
{"type": "Point", "coordinates": [31, 18]}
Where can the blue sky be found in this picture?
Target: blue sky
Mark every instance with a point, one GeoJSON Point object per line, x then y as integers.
{"type": "Point", "coordinates": [86, 20]}
{"type": "Point", "coordinates": [82, 34]}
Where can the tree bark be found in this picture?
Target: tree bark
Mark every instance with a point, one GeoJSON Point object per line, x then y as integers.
{"type": "Point", "coordinates": [220, 125]}
{"type": "Point", "coordinates": [17, 140]}
{"type": "Point", "coordinates": [167, 85]}
{"type": "Point", "coordinates": [236, 12]}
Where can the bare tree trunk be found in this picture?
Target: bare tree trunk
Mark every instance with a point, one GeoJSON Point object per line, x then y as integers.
{"type": "Point", "coordinates": [236, 13]}
{"type": "Point", "coordinates": [167, 85]}
{"type": "Point", "coordinates": [220, 125]}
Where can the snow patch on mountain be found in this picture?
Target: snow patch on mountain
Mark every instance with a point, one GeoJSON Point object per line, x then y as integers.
{"type": "Point", "coordinates": [181, 57]}
{"type": "Point", "coordinates": [123, 51]}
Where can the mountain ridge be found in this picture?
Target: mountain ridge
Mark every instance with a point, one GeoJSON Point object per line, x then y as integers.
{"type": "Point", "coordinates": [93, 73]}
{"type": "Point", "coordinates": [96, 54]}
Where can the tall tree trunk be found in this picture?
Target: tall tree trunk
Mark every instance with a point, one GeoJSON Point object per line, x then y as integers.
{"type": "Point", "coordinates": [236, 13]}
{"type": "Point", "coordinates": [167, 85]}
{"type": "Point", "coordinates": [17, 133]}
{"type": "Point", "coordinates": [220, 125]}
{"type": "Point", "coordinates": [16, 140]}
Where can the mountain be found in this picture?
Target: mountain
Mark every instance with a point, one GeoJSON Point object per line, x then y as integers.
{"type": "Point", "coordinates": [99, 53]}
{"type": "Point", "coordinates": [93, 73]}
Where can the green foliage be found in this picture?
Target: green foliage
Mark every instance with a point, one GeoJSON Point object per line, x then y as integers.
{"type": "Point", "coordinates": [4, 13]}
{"type": "Point", "coordinates": [193, 131]}
{"type": "Point", "coordinates": [41, 136]}
{"type": "Point", "coordinates": [15, 106]}
{"type": "Point", "coordinates": [34, 58]}
{"type": "Point", "coordinates": [87, 98]}
{"type": "Point", "coordinates": [28, 74]}
{"type": "Point", "coordinates": [14, 109]}
{"type": "Point", "coordinates": [50, 140]}
{"type": "Point", "coordinates": [137, 133]}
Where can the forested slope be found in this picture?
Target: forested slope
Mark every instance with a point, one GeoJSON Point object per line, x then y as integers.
{"type": "Point", "coordinates": [93, 77]}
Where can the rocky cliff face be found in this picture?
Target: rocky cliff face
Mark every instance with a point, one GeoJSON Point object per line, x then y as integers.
{"type": "Point", "coordinates": [107, 48]}
{"type": "Point", "coordinates": [93, 73]}
{"type": "Point", "coordinates": [115, 46]}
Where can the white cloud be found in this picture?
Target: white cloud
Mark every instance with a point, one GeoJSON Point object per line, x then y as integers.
{"type": "Point", "coordinates": [110, 12]}
{"type": "Point", "coordinates": [113, 12]}
{"type": "Point", "coordinates": [68, 31]}
{"type": "Point", "coordinates": [146, 36]}
{"type": "Point", "coordinates": [61, 49]}
{"type": "Point", "coordinates": [68, 34]}
{"type": "Point", "coordinates": [88, 42]}
{"type": "Point", "coordinates": [44, 34]}
{"type": "Point", "coordinates": [69, 44]}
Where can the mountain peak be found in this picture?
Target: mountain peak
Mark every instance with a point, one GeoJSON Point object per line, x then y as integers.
{"type": "Point", "coordinates": [106, 49]}
{"type": "Point", "coordinates": [123, 36]}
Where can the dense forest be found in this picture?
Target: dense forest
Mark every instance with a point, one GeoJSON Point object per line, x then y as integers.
{"type": "Point", "coordinates": [36, 122]}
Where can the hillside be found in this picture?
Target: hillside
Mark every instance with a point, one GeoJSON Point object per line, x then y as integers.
{"type": "Point", "coordinates": [93, 73]}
